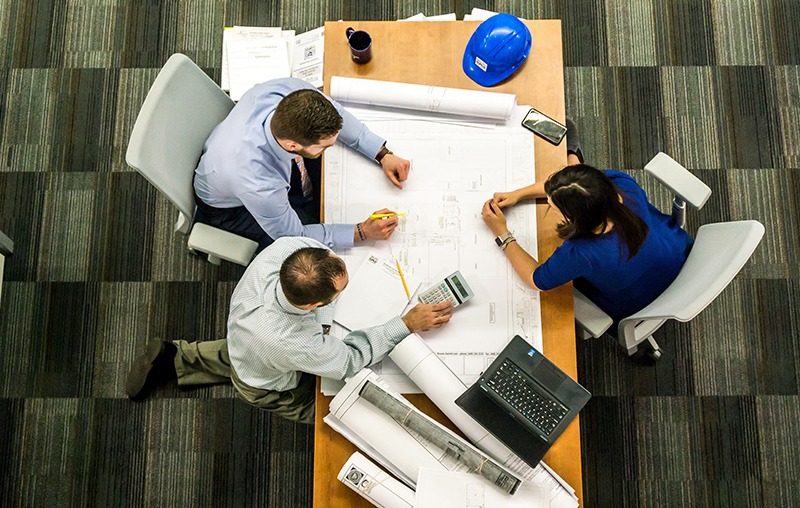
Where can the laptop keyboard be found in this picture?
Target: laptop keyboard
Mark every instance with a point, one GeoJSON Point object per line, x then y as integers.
{"type": "Point", "coordinates": [519, 390]}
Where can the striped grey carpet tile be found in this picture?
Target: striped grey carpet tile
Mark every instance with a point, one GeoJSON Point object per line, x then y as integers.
{"type": "Point", "coordinates": [67, 339]}
{"type": "Point", "coordinates": [98, 270]}
{"type": "Point", "coordinates": [59, 119]}
{"type": "Point", "coordinates": [706, 117]}
{"type": "Point", "coordinates": [765, 195]}
{"type": "Point", "coordinates": [643, 33]}
{"type": "Point", "coordinates": [70, 226]}
{"type": "Point", "coordinates": [607, 371]}
{"type": "Point", "coordinates": [693, 451]}
{"type": "Point", "coordinates": [181, 452]}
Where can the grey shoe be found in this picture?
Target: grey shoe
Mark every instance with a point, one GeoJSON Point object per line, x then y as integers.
{"type": "Point", "coordinates": [573, 140]}
{"type": "Point", "coordinates": [153, 368]}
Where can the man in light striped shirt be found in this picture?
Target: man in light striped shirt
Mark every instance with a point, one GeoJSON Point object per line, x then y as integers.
{"type": "Point", "coordinates": [278, 339]}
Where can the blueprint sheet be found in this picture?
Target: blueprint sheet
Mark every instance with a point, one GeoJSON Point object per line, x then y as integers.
{"type": "Point", "coordinates": [454, 170]}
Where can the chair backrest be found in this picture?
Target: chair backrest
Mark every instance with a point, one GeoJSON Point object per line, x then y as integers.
{"type": "Point", "coordinates": [181, 109]}
{"type": "Point", "coordinates": [720, 251]}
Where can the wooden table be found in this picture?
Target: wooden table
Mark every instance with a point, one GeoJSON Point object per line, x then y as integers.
{"type": "Point", "coordinates": [430, 53]}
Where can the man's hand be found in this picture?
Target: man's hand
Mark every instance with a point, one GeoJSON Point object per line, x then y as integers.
{"type": "Point", "coordinates": [395, 169]}
{"type": "Point", "coordinates": [379, 229]}
{"type": "Point", "coordinates": [426, 316]}
{"type": "Point", "coordinates": [494, 218]}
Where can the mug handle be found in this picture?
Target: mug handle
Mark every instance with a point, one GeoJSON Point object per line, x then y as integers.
{"type": "Point", "coordinates": [349, 32]}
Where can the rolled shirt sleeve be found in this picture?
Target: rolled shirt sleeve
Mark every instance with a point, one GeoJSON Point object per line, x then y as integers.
{"type": "Point", "coordinates": [357, 136]}
{"type": "Point", "coordinates": [271, 209]}
{"type": "Point", "coordinates": [331, 357]}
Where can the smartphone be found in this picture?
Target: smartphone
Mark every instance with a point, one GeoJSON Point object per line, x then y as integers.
{"type": "Point", "coordinates": [544, 126]}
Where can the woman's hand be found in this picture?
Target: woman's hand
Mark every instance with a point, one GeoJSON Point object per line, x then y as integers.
{"type": "Point", "coordinates": [504, 199]}
{"type": "Point", "coordinates": [494, 218]}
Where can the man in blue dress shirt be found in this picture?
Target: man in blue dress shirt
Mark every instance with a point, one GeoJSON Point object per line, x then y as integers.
{"type": "Point", "coordinates": [259, 175]}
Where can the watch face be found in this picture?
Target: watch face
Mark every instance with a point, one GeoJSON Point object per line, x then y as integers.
{"type": "Point", "coordinates": [498, 241]}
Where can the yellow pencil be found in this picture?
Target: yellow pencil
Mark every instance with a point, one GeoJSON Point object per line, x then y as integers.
{"type": "Point", "coordinates": [402, 279]}
{"type": "Point", "coordinates": [376, 216]}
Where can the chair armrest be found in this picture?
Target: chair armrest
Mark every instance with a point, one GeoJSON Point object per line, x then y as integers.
{"type": "Point", "coordinates": [222, 244]}
{"type": "Point", "coordinates": [589, 316]}
{"type": "Point", "coordinates": [6, 245]}
{"type": "Point", "coordinates": [679, 180]}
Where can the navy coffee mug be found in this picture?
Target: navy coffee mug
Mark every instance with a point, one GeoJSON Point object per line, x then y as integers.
{"type": "Point", "coordinates": [360, 45]}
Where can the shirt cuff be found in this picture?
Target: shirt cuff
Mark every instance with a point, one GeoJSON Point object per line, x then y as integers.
{"type": "Point", "coordinates": [343, 235]}
{"type": "Point", "coordinates": [396, 330]}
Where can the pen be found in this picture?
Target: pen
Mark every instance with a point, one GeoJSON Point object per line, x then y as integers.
{"type": "Point", "coordinates": [375, 216]}
{"type": "Point", "coordinates": [402, 279]}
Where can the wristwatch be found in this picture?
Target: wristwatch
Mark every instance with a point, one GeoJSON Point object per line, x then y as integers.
{"type": "Point", "coordinates": [504, 238]}
{"type": "Point", "coordinates": [383, 152]}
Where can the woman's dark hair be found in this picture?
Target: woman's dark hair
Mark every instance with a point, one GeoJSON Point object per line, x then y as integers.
{"type": "Point", "coordinates": [588, 199]}
{"type": "Point", "coordinates": [306, 117]}
{"type": "Point", "coordinates": [309, 275]}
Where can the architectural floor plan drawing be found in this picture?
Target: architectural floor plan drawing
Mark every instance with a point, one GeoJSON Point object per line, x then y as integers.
{"type": "Point", "coordinates": [454, 170]}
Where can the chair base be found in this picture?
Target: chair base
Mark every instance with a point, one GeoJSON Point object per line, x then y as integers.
{"type": "Point", "coordinates": [653, 349]}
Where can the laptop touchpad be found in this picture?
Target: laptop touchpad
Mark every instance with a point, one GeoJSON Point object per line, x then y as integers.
{"type": "Point", "coordinates": [549, 376]}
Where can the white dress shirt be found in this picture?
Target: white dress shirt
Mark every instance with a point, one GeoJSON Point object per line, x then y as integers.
{"type": "Point", "coordinates": [270, 341]}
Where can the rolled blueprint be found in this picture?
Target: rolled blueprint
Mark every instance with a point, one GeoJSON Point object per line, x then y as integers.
{"type": "Point", "coordinates": [421, 364]}
{"type": "Point", "coordinates": [455, 448]}
{"type": "Point", "coordinates": [373, 484]}
{"type": "Point", "coordinates": [436, 99]}
{"type": "Point", "coordinates": [396, 448]}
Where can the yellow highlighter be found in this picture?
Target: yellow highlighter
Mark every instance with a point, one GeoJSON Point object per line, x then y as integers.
{"type": "Point", "coordinates": [402, 279]}
{"type": "Point", "coordinates": [376, 216]}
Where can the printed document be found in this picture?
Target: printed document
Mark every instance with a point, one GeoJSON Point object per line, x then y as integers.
{"type": "Point", "coordinates": [454, 170]}
{"type": "Point", "coordinates": [374, 295]}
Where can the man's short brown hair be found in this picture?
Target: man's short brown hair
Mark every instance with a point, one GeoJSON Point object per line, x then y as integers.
{"type": "Point", "coordinates": [309, 276]}
{"type": "Point", "coordinates": [306, 117]}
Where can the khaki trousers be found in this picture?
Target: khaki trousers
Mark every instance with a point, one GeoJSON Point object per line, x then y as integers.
{"type": "Point", "coordinates": [205, 363]}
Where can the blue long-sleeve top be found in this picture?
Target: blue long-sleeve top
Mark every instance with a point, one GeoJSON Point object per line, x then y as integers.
{"type": "Point", "coordinates": [603, 272]}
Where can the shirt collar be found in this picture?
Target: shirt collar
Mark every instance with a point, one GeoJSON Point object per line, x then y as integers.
{"type": "Point", "coordinates": [277, 149]}
{"type": "Point", "coordinates": [284, 304]}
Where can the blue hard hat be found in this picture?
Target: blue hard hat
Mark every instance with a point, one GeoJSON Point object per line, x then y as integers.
{"type": "Point", "coordinates": [496, 49]}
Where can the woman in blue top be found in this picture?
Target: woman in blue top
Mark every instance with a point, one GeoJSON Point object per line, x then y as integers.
{"type": "Point", "coordinates": [620, 251]}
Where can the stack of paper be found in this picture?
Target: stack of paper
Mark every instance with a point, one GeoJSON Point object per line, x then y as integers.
{"type": "Point", "coordinates": [374, 295]}
{"type": "Point", "coordinates": [421, 17]}
{"type": "Point", "coordinates": [252, 55]}
{"type": "Point", "coordinates": [307, 59]}
{"type": "Point", "coordinates": [478, 15]}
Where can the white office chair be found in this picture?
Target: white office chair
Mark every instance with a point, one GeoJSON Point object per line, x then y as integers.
{"type": "Point", "coordinates": [181, 109]}
{"type": "Point", "coordinates": [720, 251]}
{"type": "Point", "coordinates": [6, 249]}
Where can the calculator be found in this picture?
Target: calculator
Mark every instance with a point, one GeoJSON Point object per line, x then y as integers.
{"type": "Point", "coordinates": [452, 288]}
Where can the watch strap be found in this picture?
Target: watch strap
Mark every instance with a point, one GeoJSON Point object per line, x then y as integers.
{"type": "Point", "coordinates": [383, 152]}
{"type": "Point", "coordinates": [502, 239]}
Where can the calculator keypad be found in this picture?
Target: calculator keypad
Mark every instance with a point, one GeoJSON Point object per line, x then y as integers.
{"type": "Point", "coordinates": [436, 294]}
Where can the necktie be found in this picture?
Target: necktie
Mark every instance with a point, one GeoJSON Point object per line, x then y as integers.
{"type": "Point", "coordinates": [305, 180]}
